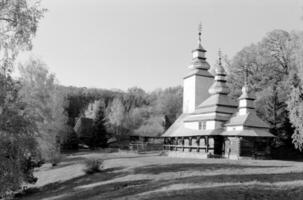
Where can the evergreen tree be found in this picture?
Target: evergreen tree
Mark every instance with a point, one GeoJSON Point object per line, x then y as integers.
{"type": "Point", "coordinates": [99, 133]}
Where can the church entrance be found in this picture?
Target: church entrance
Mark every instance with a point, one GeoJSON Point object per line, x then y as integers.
{"type": "Point", "coordinates": [219, 140]}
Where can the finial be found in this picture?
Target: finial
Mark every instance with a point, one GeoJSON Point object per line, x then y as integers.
{"type": "Point", "coordinates": [220, 56]}
{"type": "Point", "coordinates": [245, 75]}
{"type": "Point", "coordinates": [200, 32]}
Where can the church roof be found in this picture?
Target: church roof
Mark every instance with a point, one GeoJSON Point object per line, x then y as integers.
{"type": "Point", "coordinates": [248, 133]}
{"type": "Point", "coordinates": [219, 88]}
{"type": "Point", "coordinates": [217, 117]}
{"type": "Point", "coordinates": [182, 131]}
{"type": "Point", "coordinates": [151, 134]}
{"type": "Point", "coordinates": [219, 103]}
{"type": "Point", "coordinates": [200, 47]}
{"type": "Point", "coordinates": [176, 125]}
{"type": "Point", "coordinates": [248, 120]}
{"type": "Point", "coordinates": [199, 72]}
{"type": "Point", "coordinates": [216, 109]}
{"type": "Point", "coordinates": [199, 63]}
{"type": "Point", "coordinates": [179, 130]}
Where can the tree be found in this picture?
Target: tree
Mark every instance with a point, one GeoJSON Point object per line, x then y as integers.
{"type": "Point", "coordinates": [295, 101]}
{"type": "Point", "coordinates": [168, 103]}
{"type": "Point", "coordinates": [295, 108]}
{"type": "Point", "coordinates": [18, 24]}
{"type": "Point", "coordinates": [138, 116]}
{"type": "Point", "coordinates": [278, 44]}
{"type": "Point", "coordinates": [46, 104]}
{"type": "Point", "coordinates": [116, 118]}
{"type": "Point", "coordinates": [135, 97]}
{"type": "Point", "coordinates": [17, 144]}
{"type": "Point", "coordinates": [19, 21]}
{"type": "Point", "coordinates": [99, 132]}
{"type": "Point", "coordinates": [152, 126]}
{"type": "Point", "coordinates": [79, 98]}
{"type": "Point", "coordinates": [271, 106]}
{"type": "Point", "coordinates": [95, 133]}
{"type": "Point", "coordinates": [268, 63]}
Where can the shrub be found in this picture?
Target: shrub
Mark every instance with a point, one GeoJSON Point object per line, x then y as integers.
{"type": "Point", "coordinates": [93, 165]}
{"type": "Point", "coordinates": [69, 140]}
{"type": "Point", "coordinates": [55, 158]}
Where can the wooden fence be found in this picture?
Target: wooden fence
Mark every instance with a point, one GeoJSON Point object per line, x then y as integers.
{"type": "Point", "coordinates": [142, 147]}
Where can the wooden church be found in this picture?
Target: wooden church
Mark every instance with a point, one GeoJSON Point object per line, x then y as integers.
{"type": "Point", "coordinates": [212, 124]}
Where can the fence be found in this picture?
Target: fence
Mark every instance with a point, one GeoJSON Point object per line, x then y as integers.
{"type": "Point", "coordinates": [142, 147]}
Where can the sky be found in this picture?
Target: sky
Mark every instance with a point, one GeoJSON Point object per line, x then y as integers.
{"type": "Point", "coordinates": [118, 44]}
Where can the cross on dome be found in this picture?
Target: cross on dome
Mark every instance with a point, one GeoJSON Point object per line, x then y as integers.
{"type": "Point", "coordinates": [219, 69]}
{"type": "Point", "coordinates": [200, 33]}
{"type": "Point", "coordinates": [220, 56]}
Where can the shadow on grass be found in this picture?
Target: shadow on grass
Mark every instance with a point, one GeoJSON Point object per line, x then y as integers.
{"type": "Point", "coordinates": [256, 192]}
{"type": "Point", "coordinates": [268, 178]}
{"type": "Point", "coordinates": [69, 190]}
{"type": "Point", "coordinates": [229, 191]}
{"type": "Point", "coordinates": [131, 189]}
{"type": "Point", "coordinates": [157, 169]}
{"type": "Point", "coordinates": [64, 187]}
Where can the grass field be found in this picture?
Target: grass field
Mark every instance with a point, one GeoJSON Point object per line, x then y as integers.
{"type": "Point", "coordinates": [150, 176]}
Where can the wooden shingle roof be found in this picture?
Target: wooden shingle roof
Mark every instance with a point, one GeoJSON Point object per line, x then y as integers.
{"type": "Point", "coordinates": [217, 103]}
{"type": "Point", "coordinates": [247, 120]}
{"type": "Point", "coordinates": [248, 133]}
{"type": "Point", "coordinates": [176, 125]}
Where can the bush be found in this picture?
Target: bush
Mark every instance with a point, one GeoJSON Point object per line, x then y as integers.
{"type": "Point", "coordinates": [69, 140]}
{"type": "Point", "coordinates": [55, 158]}
{"type": "Point", "coordinates": [93, 165]}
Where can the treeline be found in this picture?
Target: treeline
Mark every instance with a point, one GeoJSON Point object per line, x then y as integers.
{"type": "Point", "coordinates": [117, 114]}
{"type": "Point", "coordinates": [38, 118]}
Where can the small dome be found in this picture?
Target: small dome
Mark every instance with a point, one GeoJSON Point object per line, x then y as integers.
{"type": "Point", "coordinates": [200, 64]}
{"type": "Point", "coordinates": [245, 93]}
{"type": "Point", "coordinates": [220, 70]}
{"type": "Point", "coordinates": [201, 48]}
{"type": "Point", "coordinates": [219, 88]}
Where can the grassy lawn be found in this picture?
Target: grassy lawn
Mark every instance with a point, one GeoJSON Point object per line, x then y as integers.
{"type": "Point", "coordinates": [151, 176]}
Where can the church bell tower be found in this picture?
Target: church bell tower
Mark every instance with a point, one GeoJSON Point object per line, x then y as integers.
{"type": "Point", "coordinates": [197, 82]}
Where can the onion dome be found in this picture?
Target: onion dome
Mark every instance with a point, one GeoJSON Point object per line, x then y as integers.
{"type": "Point", "coordinates": [219, 86]}
{"type": "Point", "coordinates": [199, 59]}
{"type": "Point", "coordinates": [246, 100]}
{"type": "Point", "coordinates": [219, 101]}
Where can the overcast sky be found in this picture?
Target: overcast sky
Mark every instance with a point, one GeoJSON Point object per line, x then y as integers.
{"type": "Point", "coordinates": [148, 43]}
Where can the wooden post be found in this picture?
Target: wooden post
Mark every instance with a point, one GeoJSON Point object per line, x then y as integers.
{"type": "Point", "coordinates": [206, 143]}
{"type": "Point", "coordinates": [198, 143]}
